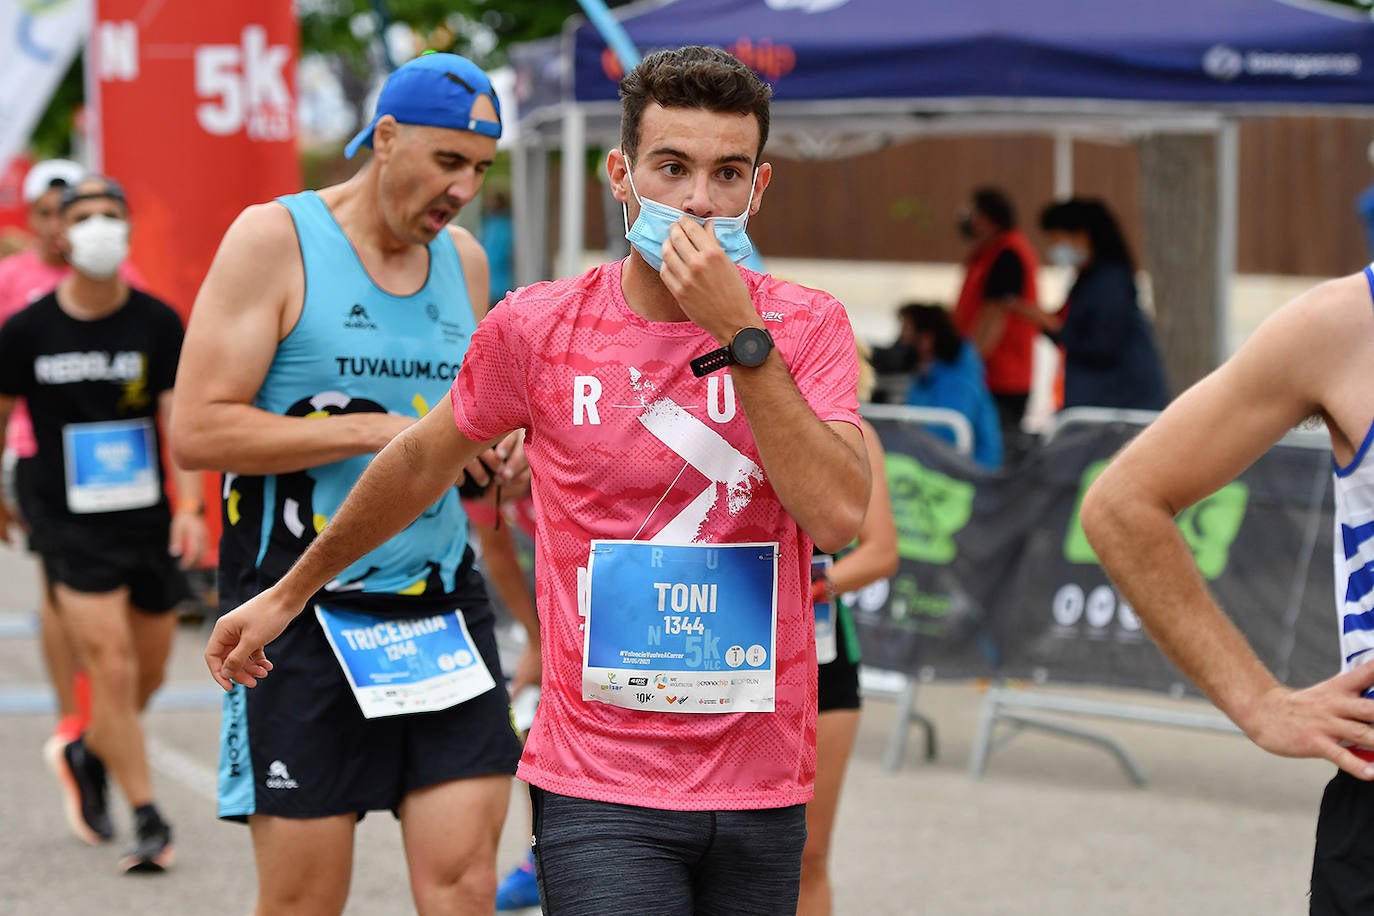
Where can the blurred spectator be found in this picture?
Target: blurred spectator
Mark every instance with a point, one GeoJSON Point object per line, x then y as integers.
{"type": "Point", "coordinates": [497, 237]}
{"type": "Point", "coordinates": [893, 365]}
{"type": "Point", "coordinates": [12, 241]}
{"type": "Point", "coordinates": [949, 374]}
{"type": "Point", "coordinates": [1110, 357]}
{"type": "Point", "coordinates": [1000, 277]}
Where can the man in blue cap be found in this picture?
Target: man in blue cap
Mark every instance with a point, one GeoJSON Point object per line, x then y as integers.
{"type": "Point", "coordinates": [332, 321]}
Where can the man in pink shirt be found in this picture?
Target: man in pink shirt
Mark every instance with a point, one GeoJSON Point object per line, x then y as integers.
{"type": "Point", "coordinates": [676, 507]}
{"type": "Point", "coordinates": [25, 278]}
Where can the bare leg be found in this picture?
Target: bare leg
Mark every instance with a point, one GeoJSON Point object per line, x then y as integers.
{"type": "Point", "coordinates": [101, 627]}
{"type": "Point", "coordinates": [153, 634]}
{"type": "Point", "coordinates": [304, 866]}
{"type": "Point", "coordinates": [451, 833]}
{"type": "Point", "coordinates": [835, 732]}
{"type": "Point", "coordinates": [59, 657]}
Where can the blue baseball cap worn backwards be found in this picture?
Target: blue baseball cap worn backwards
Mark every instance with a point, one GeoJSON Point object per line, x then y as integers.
{"type": "Point", "coordinates": [435, 90]}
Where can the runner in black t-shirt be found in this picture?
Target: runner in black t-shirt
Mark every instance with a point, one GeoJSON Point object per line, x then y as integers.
{"type": "Point", "coordinates": [96, 361]}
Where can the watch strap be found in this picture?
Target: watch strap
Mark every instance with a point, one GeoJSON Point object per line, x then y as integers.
{"type": "Point", "coordinates": [704, 365]}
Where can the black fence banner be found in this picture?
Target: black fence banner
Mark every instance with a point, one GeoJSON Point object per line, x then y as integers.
{"type": "Point", "coordinates": [997, 577]}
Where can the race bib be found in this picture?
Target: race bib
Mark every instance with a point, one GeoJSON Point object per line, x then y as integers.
{"type": "Point", "coordinates": [111, 466]}
{"type": "Point", "coordinates": [827, 648]}
{"type": "Point", "coordinates": [685, 628]}
{"type": "Point", "coordinates": [402, 666]}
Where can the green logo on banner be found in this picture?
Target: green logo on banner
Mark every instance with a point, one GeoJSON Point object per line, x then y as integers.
{"type": "Point", "coordinates": [1209, 526]}
{"type": "Point", "coordinates": [930, 508]}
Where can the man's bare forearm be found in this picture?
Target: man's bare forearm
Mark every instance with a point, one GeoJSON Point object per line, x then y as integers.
{"type": "Point", "coordinates": [821, 479]}
{"type": "Point", "coordinates": [405, 478]}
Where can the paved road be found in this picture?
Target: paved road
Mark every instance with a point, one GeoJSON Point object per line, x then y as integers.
{"type": "Point", "coordinates": [1052, 828]}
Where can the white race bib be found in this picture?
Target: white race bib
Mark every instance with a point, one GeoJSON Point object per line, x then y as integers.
{"type": "Point", "coordinates": [111, 466]}
{"type": "Point", "coordinates": [827, 648]}
{"type": "Point", "coordinates": [401, 666]}
{"type": "Point", "coordinates": [681, 628]}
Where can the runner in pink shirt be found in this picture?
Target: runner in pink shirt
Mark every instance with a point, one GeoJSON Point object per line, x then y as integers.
{"type": "Point", "coordinates": [691, 430]}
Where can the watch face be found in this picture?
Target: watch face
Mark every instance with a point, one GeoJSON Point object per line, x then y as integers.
{"type": "Point", "coordinates": [750, 346]}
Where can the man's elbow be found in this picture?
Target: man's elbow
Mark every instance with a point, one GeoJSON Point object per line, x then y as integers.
{"type": "Point", "coordinates": [838, 529]}
{"type": "Point", "coordinates": [891, 563]}
{"type": "Point", "coordinates": [191, 445]}
{"type": "Point", "coordinates": [1100, 514]}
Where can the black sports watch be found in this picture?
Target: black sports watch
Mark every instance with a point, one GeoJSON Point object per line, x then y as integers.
{"type": "Point", "coordinates": [749, 348]}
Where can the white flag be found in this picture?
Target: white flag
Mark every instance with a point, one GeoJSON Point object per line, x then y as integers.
{"type": "Point", "coordinates": [38, 40]}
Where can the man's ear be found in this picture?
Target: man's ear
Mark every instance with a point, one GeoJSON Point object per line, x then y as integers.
{"type": "Point", "coordinates": [617, 168]}
{"type": "Point", "coordinates": [384, 137]}
{"type": "Point", "coordinates": [760, 184]}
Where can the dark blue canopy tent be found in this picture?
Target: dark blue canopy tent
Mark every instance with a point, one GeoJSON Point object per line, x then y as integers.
{"type": "Point", "coordinates": [851, 74]}
{"type": "Point", "coordinates": [1200, 52]}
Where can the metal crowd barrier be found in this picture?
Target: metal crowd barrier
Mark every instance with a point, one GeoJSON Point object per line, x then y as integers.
{"type": "Point", "coordinates": [898, 685]}
{"type": "Point", "coordinates": [1004, 705]}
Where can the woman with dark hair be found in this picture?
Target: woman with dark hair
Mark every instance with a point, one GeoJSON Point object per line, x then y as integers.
{"type": "Point", "coordinates": [949, 374]}
{"type": "Point", "coordinates": [1110, 357]}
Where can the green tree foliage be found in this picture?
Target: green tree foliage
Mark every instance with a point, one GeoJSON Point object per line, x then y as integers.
{"type": "Point", "coordinates": [480, 29]}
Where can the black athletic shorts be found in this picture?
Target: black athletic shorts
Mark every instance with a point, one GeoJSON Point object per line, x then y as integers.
{"type": "Point", "coordinates": [838, 681]}
{"type": "Point", "coordinates": [1343, 862]}
{"type": "Point", "coordinates": [96, 563]}
{"type": "Point", "coordinates": [297, 745]}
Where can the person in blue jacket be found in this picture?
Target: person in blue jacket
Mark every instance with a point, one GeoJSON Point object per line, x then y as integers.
{"type": "Point", "coordinates": [1110, 356]}
{"type": "Point", "coordinates": [950, 374]}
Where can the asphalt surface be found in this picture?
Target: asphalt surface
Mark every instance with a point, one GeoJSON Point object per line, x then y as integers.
{"type": "Point", "coordinates": [1053, 827]}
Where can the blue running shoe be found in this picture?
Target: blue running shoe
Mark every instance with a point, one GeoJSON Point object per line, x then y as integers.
{"type": "Point", "coordinates": [520, 889]}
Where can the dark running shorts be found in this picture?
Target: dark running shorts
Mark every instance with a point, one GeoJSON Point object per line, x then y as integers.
{"type": "Point", "coordinates": [593, 858]}
{"type": "Point", "coordinates": [298, 746]}
{"type": "Point", "coordinates": [155, 582]}
{"type": "Point", "coordinates": [1343, 863]}
{"type": "Point", "coordinates": [837, 682]}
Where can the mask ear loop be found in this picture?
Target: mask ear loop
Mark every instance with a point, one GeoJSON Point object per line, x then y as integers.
{"type": "Point", "coordinates": [624, 208]}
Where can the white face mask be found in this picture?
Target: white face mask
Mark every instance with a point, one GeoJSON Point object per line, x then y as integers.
{"type": "Point", "coordinates": [99, 245]}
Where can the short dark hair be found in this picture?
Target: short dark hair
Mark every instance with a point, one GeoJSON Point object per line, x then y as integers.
{"type": "Point", "coordinates": [1091, 216]}
{"type": "Point", "coordinates": [691, 77]}
{"type": "Point", "coordinates": [935, 320]}
{"type": "Point", "coordinates": [996, 206]}
{"type": "Point", "coordinates": [108, 189]}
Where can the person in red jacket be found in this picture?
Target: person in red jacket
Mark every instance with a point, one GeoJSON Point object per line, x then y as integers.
{"type": "Point", "coordinates": [1000, 276]}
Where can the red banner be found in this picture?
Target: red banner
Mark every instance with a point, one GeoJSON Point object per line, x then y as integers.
{"type": "Point", "coordinates": [192, 107]}
{"type": "Point", "coordinates": [193, 110]}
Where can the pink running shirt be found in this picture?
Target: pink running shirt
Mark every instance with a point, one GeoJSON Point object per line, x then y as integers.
{"type": "Point", "coordinates": [24, 279]}
{"type": "Point", "coordinates": [572, 364]}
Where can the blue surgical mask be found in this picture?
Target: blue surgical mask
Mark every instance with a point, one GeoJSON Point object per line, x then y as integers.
{"type": "Point", "coordinates": [1067, 255]}
{"type": "Point", "coordinates": [651, 226]}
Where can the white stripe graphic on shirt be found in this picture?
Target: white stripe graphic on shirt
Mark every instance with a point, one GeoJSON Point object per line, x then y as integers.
{"type": "Point", "coordinates": [709, 453]}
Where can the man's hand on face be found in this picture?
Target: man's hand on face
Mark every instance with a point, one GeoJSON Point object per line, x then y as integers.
{"type": "Point", "coordinates": [704, 281]}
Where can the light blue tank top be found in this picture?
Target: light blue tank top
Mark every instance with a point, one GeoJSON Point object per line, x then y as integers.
{"type": "Point", "coordinates": [358, 348]}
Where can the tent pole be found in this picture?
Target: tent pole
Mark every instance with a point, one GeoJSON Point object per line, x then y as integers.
{"type": "Point", "coordinates": [1063, 165]}
{"type": "Point", "coordinates": [529, 197]}
{"type": "Point", "coordinates": [1228, 202]}
{"type": "Point", "coordinates": [572, 213]}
